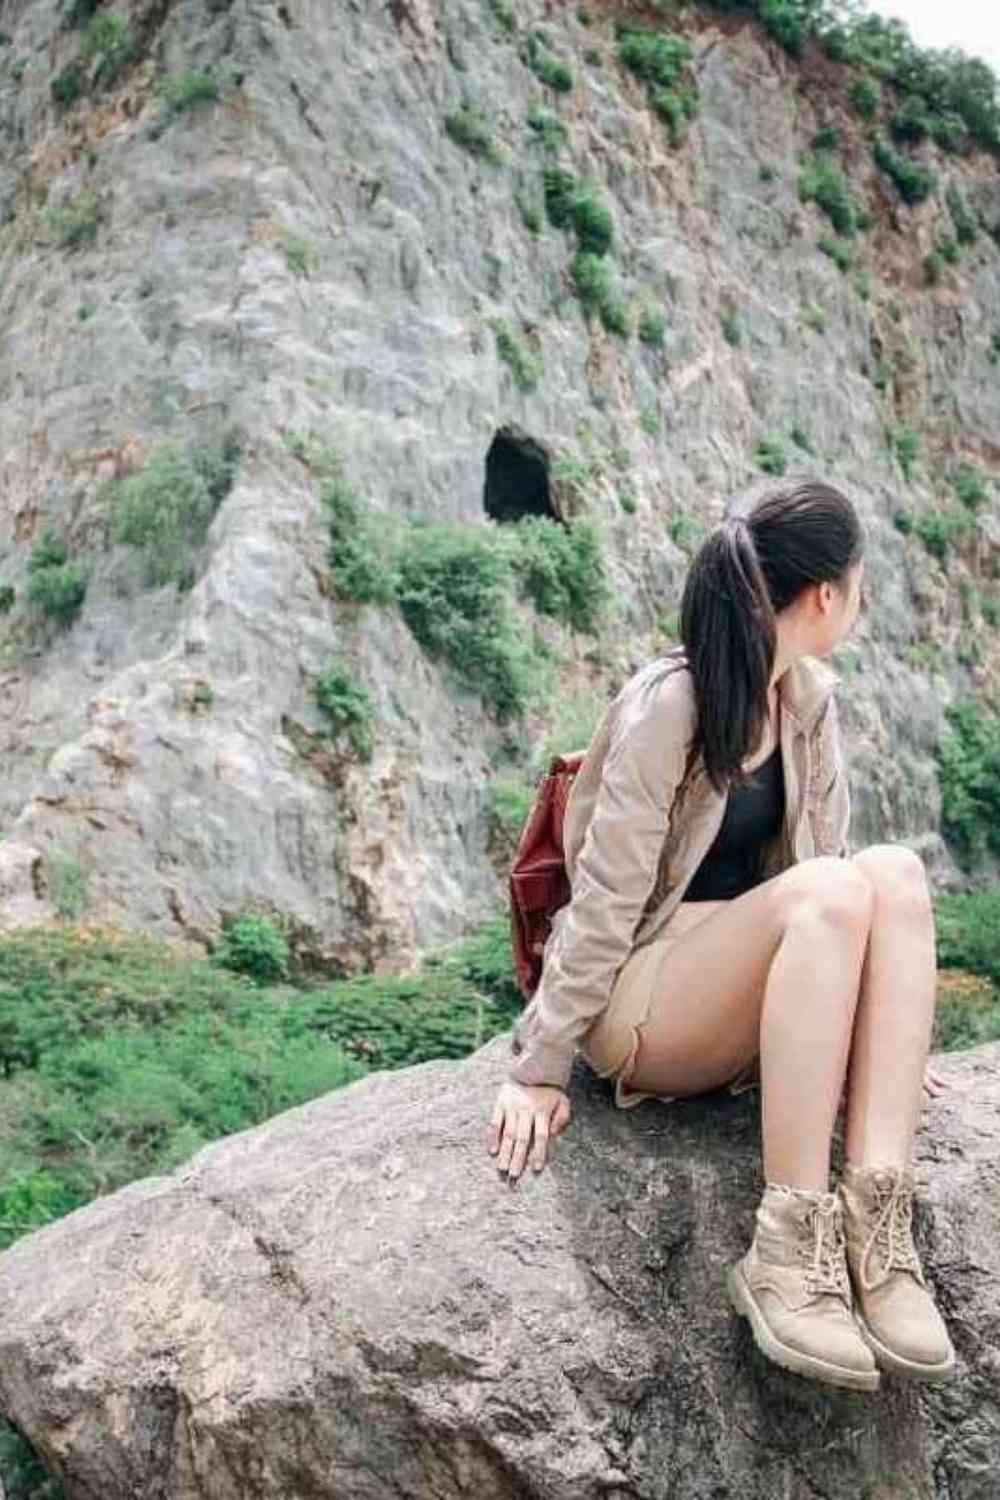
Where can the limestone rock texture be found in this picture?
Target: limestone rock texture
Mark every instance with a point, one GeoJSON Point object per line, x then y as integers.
{"type": "Point", "coordinates": [348, 1301]}
{"type": "Point", "coordinates": [313, 253]}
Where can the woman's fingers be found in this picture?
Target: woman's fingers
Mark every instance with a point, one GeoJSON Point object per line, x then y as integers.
{"type": "Point", "coordinates": [934, 1083]}
{"type": "Point", "coordinates": [493, 1130]}
{"type": "Point", "coordinates": [522, 1140]}
{"type": "Point", "coordinates": [541, 1142]}
{"type": "Point", "coordinates": [506, 1143]}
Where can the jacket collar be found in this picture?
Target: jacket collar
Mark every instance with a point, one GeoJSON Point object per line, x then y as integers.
{"type": "Point", "coordinates": [805, 688]}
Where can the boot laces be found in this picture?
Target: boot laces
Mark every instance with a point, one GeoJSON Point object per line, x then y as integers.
{"type": "Point", "coordinates": [827, 1273]}
{"type": "Point", "coordinates": [891, 1232]}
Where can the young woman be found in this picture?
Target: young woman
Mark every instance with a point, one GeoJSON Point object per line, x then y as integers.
{"type": "Point", "coordinates": [719, 929]}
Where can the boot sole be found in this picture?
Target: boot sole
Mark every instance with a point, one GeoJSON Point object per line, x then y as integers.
{"type": "Point", "coordinates": [743, 1302]}
{"type": "Point", "coordinates": [887, 1359]}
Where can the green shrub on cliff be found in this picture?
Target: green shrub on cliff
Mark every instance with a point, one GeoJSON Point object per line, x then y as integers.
{"type": "Point", "coordinates": [914, 181]}
{"type": "Point", "coordinates": [56, 586]}
{"type": "Point", "coordinates": [165, 510]}
{"type": "Point", "coordinates": [821, 182]}
{"type": "Point", "coordinates": [969, 772]}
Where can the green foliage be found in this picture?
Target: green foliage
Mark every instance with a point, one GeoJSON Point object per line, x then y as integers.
{"type": "Point", "coordinates": [547, 67]}
{"type": "Point", "coordinates": [7, 598]}
{"type": "Point", "coordinates": [68, 885]}
{"type": "Point", "coordinates": [56, 586]}
{"type": "Point", "coordinates": [299, 254]}
{"type": "Point", "coordinates": [75, 222]}
{"type": "Point", "coordinates": [820, 182]}
{"type": "Point", "coordinates": [968, 938]}
{"type": "Point", "coordinates": [526, 368]}
{"type": "Point", "coordinates": [455, 592]}
{"type": "Point", "coordinates": [903, 522]}
{"type": "Point", "coordinates": [254, 945]}
{"type": "Point", "coordinates": [652, 327]}
{"type": "Point", "coordinates": [615, 315]}
{"type": "Point", "coordinates": [949, 250]}
{"type": "Point", "coordinates": [348, 705]}
{"type": "Point", "coordinates": [110, 47]}
{"type": "Point", "coordinates": [560, 187]}
{"type": "Point", "coordinates": [166, 509]}
{"type": "Point", "coordinates": [838, 252]}
{"type": "Point", "coordinates": [767, 173]}
{"type": "Point", "coordinates": [732, 329]}
{"type": "Point", "coordinates": [906, 445]}
{"type": "Point", "coordinates": [769, 455]}
{"type": "Point", "coordinates": [814, 317]}
{"type": "Point", "coordinates": [969, 485]}
{"type": "Point", "coordinates": [650, 420]}
{"type": "Point", "coordinates": [966, 229]}
{"type": "Point", "coordinates": [593, 223]}
{"type": "Point", "coordinates": [914, 181]}
{"type": "Point", "coordinates": [911, 122]}
{"type": "Point", "coordinates": [185, 90]}
{"type": "Point", "coordinates": [866, 96]}
{"type": "Point", "coordinates": [68, 85]}
{"type": "Point", "coordinates": [685, 531]}
{"type": "Point", "coordinates": [863, 285]}
{"type": "Point", "coordinates": [990, 611]}
{"type": "Point", "coordinates": [801, 440]}
{"type": "Point", "coordinates": [939, 529]}
{"type": "Point", "coordinates": [355, 557]}
{"type": "Point", "coordinates": [510, 802]}
{"type": "Point", "coordinates": [531, 216]}
{"type": "Point", "coordinates": [826, 139]}
{"type": "Point", "coordinates": [591, 277]}
{"type": "Point", "coordinates": [660, 58]}
{"type": "Point", "coordinates": [469, 128]}
{"type": "Point", "coordinates": [969, 773]}
{"type": "Point", "coordinates": [933, 267]}
{"type": "Point", "coordinates": [788, 21]}
{"type": "Point", "coordinates": [504, 13]}
{"type": "Point", "coordinates": [561, 570]}
{"type": "Point", "coordinates": [547, 128]}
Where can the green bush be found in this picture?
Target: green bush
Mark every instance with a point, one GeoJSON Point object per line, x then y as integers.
{"type": "Point", "coordinates": [866, 96]}
{"type": "Point", "coordinates": [614, 314]}
{"type": "Point", "coordinates": [67, 86]}
{"type": "Point", "coordinates": [547, 128]}
{"type": "Point", "coordinates": [593, 223]}
{"type": "Point", "coordinates": [659, 58]}
{"type": "Point", "coordinates": [56, 587]}
{"type": "Point", "coordinates": [455, 593]}
{"type": "Point", "coordinates": [903, 522]}
{"type": "Point", "coordinates": [732, 330]}
{"type": "Point", "coordinates": [969, 485]}
{"type": "Point", "coordinates": [592, 278]}
{"type": "Point", "coordinates": [966, 229]}
{"type": "Point", "coordinates": [826, 139]}
{"type": "Point", "coordinates": [939, 529]}
{"type": "Point", "coordinates": [905, 445]}
{"type": "Point", "coordinates": [545, 66]}
{"type": "Point", "coordinates": [914, 181]}
{"type": "Point", "coordinates": [75, 222]}
{"type": "Point", "coordinates": [109, 41]}
{"type": "Point", "coordinates": [560, 189]}
{"type": "Point", "coordinates": [788, 21]}
{"type": "Point", "coordinates": [801, 439]}
{"type": "Point", "coordinates": [68, 886]}
{"type": "Point", "coordinates": [509, 803]}
{"type": "Point", "coordinates": [820, 182]}
{"type": "Point", "coordinates": [838, 252]}
{"type": "Point", "coordinates": [7, 598]}
{"type": "Point", "coordinates": [254, 945]}
{"type": "Point", "coordinates": [652, 327]}
{"type": "Point", "coordinates": [348, 705]}
{"type": "Point", "coordinates": [165, 510]}
{"type": "Point", "coordinates": [949, 131]}
{"type": "Point", "coordinates": [526, 368]}
{"type": "Point", "coordinates": [183, 91]}
{"type": "Point", "coordinates": [561, 570]}
{"type": "Point", "coordinates": [355, 556]}
{"type": "Point", "coordinates": [969, 772]}
{"type": "Point", "coordinates": [933, 267]}
{"type": "Point", "coordinates": [911, 122]}
{"type": "Point", "coordinates": [769, 455]}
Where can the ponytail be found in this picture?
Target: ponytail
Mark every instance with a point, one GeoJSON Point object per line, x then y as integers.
{"type": "Point", "coordinates": [729, 635]}
{"type": "Point", "coordinates": [747, 571]}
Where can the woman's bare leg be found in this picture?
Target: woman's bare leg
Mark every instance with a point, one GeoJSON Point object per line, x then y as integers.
{"type": "Point", "coordinates": [776, 971]}
{"type": "Point", "coordinates": [892, 1028]}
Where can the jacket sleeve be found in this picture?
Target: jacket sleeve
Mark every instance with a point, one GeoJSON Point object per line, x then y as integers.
{"type": "Point", "coordinates": [833, 807]}
{"type": "Point", "coordinates": [612, 879]}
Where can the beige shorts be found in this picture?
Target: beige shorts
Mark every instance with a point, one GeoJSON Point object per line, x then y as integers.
{"type": "Point", "coordinates": [611, 1044]}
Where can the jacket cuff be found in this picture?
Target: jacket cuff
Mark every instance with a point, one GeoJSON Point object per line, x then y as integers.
{"type": "Point", "coordinates": [536, 1063]}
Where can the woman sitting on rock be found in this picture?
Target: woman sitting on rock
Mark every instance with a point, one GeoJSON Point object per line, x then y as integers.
{"type": "Point", "coordinates": [719, 929]}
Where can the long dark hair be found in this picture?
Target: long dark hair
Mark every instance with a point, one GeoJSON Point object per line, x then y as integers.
{"type": "Point", "coordinates": [749, 568]}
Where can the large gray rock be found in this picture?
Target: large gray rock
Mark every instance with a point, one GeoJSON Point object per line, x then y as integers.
{"type": "Point", "coordinates": [347, 1302]}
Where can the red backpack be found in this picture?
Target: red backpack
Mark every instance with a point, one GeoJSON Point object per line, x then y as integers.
{"type": "Point", "coordinates": [539, 885]}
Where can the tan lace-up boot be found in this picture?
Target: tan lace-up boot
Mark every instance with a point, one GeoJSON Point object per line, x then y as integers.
{"type": "Point", "coordinates": [792, 1285]}
{"type": "Point", "coordinates": [896, 1311]}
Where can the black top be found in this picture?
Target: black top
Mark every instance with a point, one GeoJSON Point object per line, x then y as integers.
{"type": "Point", "coordinates": [754, 815]}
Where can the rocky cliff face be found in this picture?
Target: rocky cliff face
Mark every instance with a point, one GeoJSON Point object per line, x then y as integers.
{"type": "Point", "coordinates": [347, 1300]}
{"type": "Point", "coordinates": [344, 236]}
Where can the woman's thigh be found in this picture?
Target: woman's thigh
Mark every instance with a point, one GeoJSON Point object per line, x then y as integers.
{"type": "Point", "coordinates": [702, 1025]}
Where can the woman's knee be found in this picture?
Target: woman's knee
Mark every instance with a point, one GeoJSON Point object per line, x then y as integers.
{"type": "Point", "coordinates": [834, 892]}
{"type": "Point", "coordinates": [896, 875]}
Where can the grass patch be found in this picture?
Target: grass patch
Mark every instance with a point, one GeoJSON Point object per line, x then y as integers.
{"type": "Point", "coordinates": [838, 252]}
{"type": "Point", "coordinates": [348, 705]}
{"type": "Point", "coordinates": [769, 455]}
{"type": "Point", "coordinates": [186, 90]}
{"type": "Point", "coordinates": [526, 368]}
{"type": "Point", "coordinates": [660, 58]}
{"type": "Point", "coordinates": [821, 182]}
{"type": "Point", "coordinates": [914, 182]}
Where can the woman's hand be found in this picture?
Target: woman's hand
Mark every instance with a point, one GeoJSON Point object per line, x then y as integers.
{"type": "Point", "coordinates": [934, 1084]}
{"type": "Point", "coordinates": [525, 1117]}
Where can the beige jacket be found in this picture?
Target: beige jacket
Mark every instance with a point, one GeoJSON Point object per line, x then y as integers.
{"type": "Point", "coordinates": [639, 822]}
